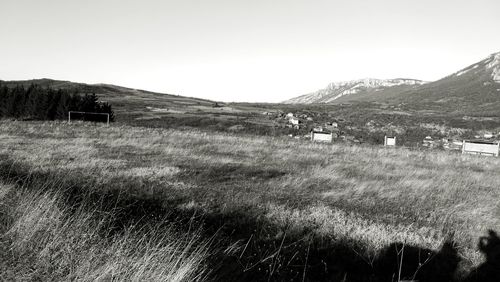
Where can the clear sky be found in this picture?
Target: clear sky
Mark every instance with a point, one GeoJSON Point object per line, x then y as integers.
{"type": "Point", "coordinates": [235, 50]}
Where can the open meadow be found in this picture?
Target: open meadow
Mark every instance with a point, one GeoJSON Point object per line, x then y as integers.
{"type": "Point", "coordinates": [184, 205]}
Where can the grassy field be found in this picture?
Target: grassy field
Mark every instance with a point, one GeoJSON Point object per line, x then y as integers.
{"type": "Point", "coordinates": [130, 199]}
{"type": "Point", "coordinates": [366, 121]}
{"type": "Point", "coordinates": [44, 239]}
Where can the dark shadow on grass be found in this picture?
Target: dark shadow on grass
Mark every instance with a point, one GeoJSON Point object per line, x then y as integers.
{"type": "Point", "coordinates": [219, 173]}
{"type": "Point", "coordinates": [263, 250]}
{"type": "Point", "coordinates": [405, 262]}
{"type": "Point", "coordinates": [489, 271]}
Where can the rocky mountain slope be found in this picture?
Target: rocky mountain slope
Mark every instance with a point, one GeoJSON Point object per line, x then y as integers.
{"type": "Point", "coordinates": [477, 85]}
{"type": "Point", "coordinates": [338, 90]}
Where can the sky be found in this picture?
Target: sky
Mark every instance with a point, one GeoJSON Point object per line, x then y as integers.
{"type": "Point", "coordinates": [246, 51]}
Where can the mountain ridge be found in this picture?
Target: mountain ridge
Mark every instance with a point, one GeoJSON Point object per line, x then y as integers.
{"type": "Point", "coordinates": [336, 90]}
{"type": "Point", "coordinates": [98, 88]}
{"type": "Point", "coordinates": [478, 78]}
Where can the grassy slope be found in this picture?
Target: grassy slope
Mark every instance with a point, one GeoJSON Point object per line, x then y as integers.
{"type": "Point", "coordinates": [126, 101]}
{"type": "Point", "coordinates": [146, 108]}
{"type": "Point", "coordinates": [268, 197]}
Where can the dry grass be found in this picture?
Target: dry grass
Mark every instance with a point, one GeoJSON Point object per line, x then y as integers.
{"type": "Point", "coordinates": [369, 195]}
{"type": "Point", "coordinates": [43, 239]}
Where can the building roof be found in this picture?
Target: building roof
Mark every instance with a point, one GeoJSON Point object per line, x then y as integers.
{"type": "Point", "coordinates": [482, 141]}
{"type": "Point", "coordinates": [320, 132]}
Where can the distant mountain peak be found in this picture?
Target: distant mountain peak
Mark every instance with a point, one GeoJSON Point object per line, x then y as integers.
{"type": "Point", "coordinates": [375, 82]}
{"type": "Point", "coordinates": [489, 65]}
{"type": "Point", "coordinates": [336, 90]}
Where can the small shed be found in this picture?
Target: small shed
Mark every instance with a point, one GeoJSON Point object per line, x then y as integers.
{"type": "Point", "coordinates": [390, 141]}
{"type": "Point", "coordinates": [321, 136]}
{"type": "Point", "coordinates": [480, 147]}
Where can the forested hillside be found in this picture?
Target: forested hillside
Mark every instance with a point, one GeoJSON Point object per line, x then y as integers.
{"type": "Point", "coordinates": [44, 103]}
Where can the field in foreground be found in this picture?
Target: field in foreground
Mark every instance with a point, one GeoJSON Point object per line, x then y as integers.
{"type": "Point", "coordinates": [260, 208]}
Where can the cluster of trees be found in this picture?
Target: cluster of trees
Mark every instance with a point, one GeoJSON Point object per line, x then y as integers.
{"type": "Point", "coordinates": [40, 103]}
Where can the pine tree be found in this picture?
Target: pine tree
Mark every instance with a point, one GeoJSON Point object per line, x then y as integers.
{"type": "Point", "coordinates": [53, 101]}
{"type": "Point", "coordinates": [41, 104]}
{"type": "Point", "coordinates": [75, 103]}
{"type": "Point", "coordinates": [15, 102]}
{"type": "Point", "coordinates": [90, 103]}
{"type": "Point", "coordinates": [30, 102]}
{"type": "Point", "coordinates": [106, 108]}
{"type": "Point", "coordinates": [36, 102]}
{"type": "Point", "coordinates": [63, 106]}
{"type": "Point", "coordinates": [4, 94]}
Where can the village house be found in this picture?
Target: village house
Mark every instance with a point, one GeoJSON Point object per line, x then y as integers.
{"type": "Point", "coordinates": [332, 124]}
{"type": "Point", "coordinates": [294, 121]}
{"type": "Point", "coordinates": [488, 135]}
{"type": "Point", "coordinates": [428, 142]}
{"type": "Point", "coordinates": [453, 145]}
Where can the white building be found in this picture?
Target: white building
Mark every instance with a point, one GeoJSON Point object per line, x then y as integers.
{"type": "Point", "coordinates": [390, 141]}
{"type": "Point", "coordinates": [488, 135]}
{"type": "Point", "coordinates": [486, 148]}
{"type": "Point", "coordinates": [321, 136]}
{"type": "Point", "coordinates": [294, 121]}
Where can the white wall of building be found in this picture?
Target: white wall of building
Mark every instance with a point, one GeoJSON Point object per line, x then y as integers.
{"type": "Point", "coordinates": [480, 148]}
{"type": "Point", "coordinates": [321, 137]}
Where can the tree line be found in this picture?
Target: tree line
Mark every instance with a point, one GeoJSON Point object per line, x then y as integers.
{"type": "Point", "coordinates": [45, 103]}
